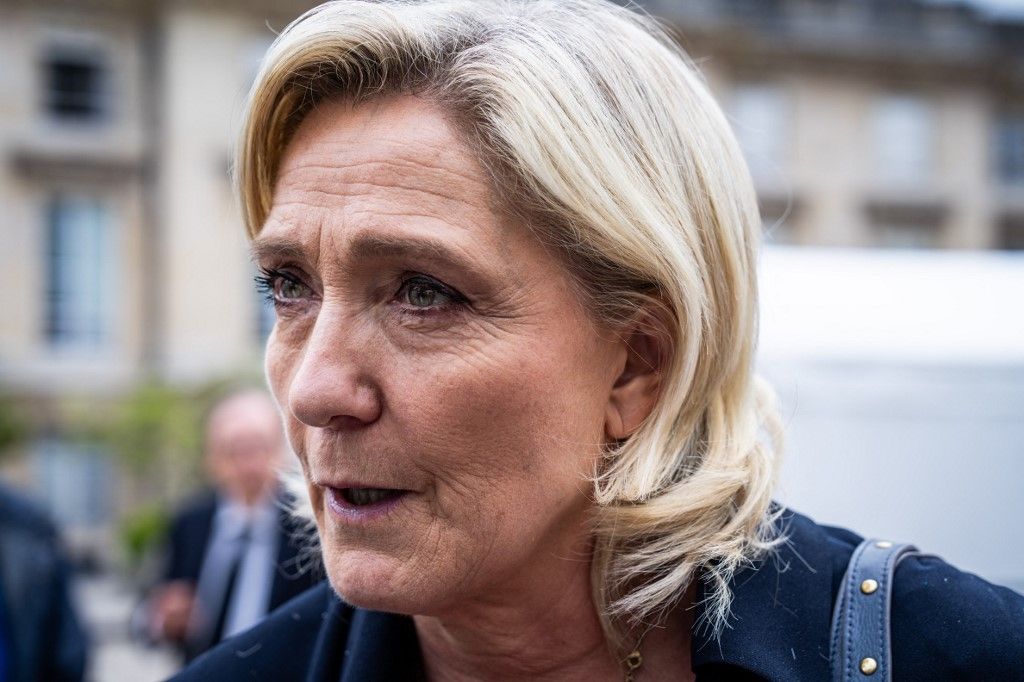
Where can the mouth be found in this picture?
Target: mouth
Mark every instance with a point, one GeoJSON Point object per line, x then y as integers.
{"type": "Point", "coordinates": [356, 503]}
{"type": "Point", "coordinates": [364, 497]}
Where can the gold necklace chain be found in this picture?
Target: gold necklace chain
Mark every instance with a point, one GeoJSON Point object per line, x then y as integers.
{"type": "Point", "coordinates": [635, 660]}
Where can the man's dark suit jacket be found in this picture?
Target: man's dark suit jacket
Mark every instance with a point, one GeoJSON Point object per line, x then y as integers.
{"type": "Point", "coordinates": [43, 638]}
{"type": "Point", "coordinates": [190, 532]}
{"type": "Point", "coordinates": [947, 625]}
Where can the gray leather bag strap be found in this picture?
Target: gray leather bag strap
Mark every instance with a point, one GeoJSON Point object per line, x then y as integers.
{"type": "Point", "coordinates": [860, 648]}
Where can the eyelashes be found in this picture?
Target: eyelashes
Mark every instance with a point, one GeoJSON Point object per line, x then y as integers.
{"type": "Point", "coordinates": [281, 287]}
{"type": "Point", "coordinates": [417, 294]}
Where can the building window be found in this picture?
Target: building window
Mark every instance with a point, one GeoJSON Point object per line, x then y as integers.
{"type": "Point", "coordinates": [902, 139]}
{"type": "Point", "coordinates": [760, 118]}
{"type": "Point", "coordinates": [1009, 149]}
{"type": "Point", "coordinates": [75, 85]}
{"type": "Point", "coordinates": [80, 258]}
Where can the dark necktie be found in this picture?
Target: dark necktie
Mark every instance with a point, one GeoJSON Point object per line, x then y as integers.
{"type": "Point", "coordinates": [229, 587]}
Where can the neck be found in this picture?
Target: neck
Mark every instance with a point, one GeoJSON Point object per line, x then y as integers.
{"type": "Point", "coordinates": [542, 626]}
{"type": "Point", "coordinates": [550, 634]}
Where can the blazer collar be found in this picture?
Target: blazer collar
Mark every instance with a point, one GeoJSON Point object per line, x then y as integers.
{"type": "Point", "coordinates": [355, 645]}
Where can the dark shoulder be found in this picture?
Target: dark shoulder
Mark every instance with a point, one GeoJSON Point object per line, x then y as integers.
{"type": "Point", "coordinates": [948, 620]}
{"type": "Point", "coordinates": [195, 508]}
{"type": "Point", "coordinates": [25, 515]}
{"type": "Point", "coordinates": [946, 623]}
{"type": "Point", "coordinates": [831, 546]}
{"type": "Point", "coordinates": [281, 647]}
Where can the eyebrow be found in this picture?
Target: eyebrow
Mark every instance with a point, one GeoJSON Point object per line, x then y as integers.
{"type": "Point", "coordinates": [363, 247]}
{"type": "Point", "coordinates": [263, 248]}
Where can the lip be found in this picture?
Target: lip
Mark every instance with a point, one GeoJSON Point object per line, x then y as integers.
{"type": "Point", "coordinates": [358, 514]}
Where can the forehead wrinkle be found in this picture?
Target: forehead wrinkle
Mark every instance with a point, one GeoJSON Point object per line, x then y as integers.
{"type": "Point", "coordinates": [347, 204]}
{"type": "Point", "coordinates": [337, 199]}
{"type": "Point", "coordinates": [395, 162]}
{"type": "Point", "coordinates": [325, 182]}
{"type": "Point", "coordinates": [382, 227]}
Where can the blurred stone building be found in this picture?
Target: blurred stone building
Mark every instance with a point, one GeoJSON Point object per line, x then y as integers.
{"type": "Point", "coordinates": [871, 122]}
{"type": "Point", "coordinates": [866, 122]}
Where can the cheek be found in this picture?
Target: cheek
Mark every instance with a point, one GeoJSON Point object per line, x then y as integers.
{"type": "Point", "coordinates": [508, 435]}
{"type": "Point", "coordinates": [502, 417]}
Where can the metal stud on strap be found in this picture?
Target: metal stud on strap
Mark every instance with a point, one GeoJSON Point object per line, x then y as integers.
{"type": "Point", "coordinates": [860, 642]}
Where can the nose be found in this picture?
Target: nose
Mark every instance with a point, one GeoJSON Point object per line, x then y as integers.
{"type": "Point", "coordinates": [332, 387]}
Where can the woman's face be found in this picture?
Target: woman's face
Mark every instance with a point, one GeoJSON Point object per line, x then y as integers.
{"type": "Point", "coordinates": [440, 382]}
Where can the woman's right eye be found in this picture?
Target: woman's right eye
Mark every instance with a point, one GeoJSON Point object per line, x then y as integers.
{"type": "Point", "coordinates": [290, 289]}
{"type": "Point", "coordinates": [282, 288]}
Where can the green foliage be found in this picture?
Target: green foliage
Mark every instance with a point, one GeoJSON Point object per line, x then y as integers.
{"type": "Point", "coordinates": [141, 531]}
{"type": "Point", "coordinates": [14, 425]}
{"type": "Point", "coordinates": [156, 420]}
{"type": "Point", "coordinates": [155, 423]}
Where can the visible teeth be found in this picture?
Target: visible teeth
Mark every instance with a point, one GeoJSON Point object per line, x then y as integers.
{"type": "Point", "coordinates": [364, 496]}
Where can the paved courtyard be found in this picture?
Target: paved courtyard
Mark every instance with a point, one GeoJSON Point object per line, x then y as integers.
{"type": "Point", "coordinates": [105, 604]}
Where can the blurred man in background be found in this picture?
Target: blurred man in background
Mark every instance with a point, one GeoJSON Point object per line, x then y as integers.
{"type": "Point", "coordinates": [233, 554]}
{"type": "Point", "coordinates": [40, 635]}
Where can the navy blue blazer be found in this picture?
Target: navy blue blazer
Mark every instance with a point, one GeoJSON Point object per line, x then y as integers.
{"type": "Point", "coordinates": [947, 625]}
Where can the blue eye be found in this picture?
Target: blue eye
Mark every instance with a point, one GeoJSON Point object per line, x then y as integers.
{"type": "Point", "coordinates": [289, 289]}
{"type": "Point", "coordinates": [281, 287]}
{"type": "Point", "coordinates": [426, 293]}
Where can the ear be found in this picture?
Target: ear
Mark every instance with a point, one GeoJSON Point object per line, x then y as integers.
{"type": "Point", "coordinates": [642, 355]}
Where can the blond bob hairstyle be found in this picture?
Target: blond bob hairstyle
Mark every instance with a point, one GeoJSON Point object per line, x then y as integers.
{"type": "Point", "coordinates": [600, 135]}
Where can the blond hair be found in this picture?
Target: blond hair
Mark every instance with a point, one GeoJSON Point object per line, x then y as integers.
{"type": "Point", "coordinates": [602, 136]}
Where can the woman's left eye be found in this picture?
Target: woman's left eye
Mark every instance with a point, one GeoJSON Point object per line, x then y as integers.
{"type": "Point", "coordinates": [425, 293]}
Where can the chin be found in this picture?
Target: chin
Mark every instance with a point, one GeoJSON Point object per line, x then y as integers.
{"type": "Point", "coordinates": [370, 580]}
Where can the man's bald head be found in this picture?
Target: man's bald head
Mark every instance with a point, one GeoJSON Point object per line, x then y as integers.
{"type": "Point", "coordinates": [244, 444]}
